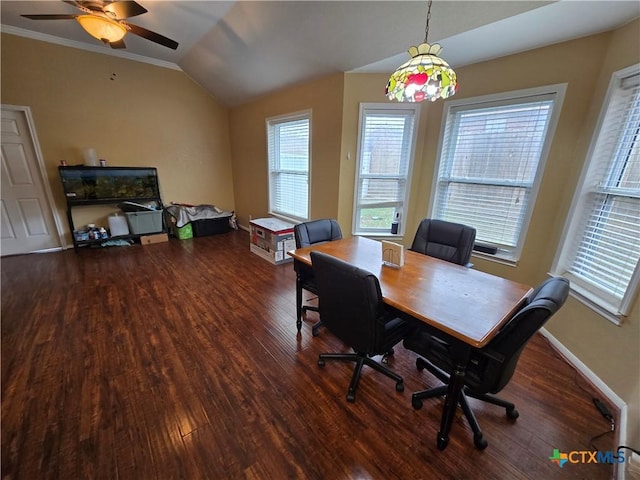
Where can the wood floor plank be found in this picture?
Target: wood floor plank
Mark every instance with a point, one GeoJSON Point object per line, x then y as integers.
{"type": "Point", "coordinates": [181, 360]}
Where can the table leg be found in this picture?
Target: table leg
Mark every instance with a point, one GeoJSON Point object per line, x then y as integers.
{"type": "Point", "coordinates": [298, 301]}
{"type": "Point", "coordinates": [456, 383]}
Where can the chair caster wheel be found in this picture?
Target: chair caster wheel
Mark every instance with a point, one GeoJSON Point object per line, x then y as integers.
{"type": "Point", "coordinates": [442, 442]}
{"type": "Point", "coordinates": [479, 441]}
{"type": "Point", "coordinates": [512, 413]}
{"type": "Point", "coordinates": [321, 362]}
{"type": "Point", "coordinates": [400, 387]}
{"type": "Point", "coordinates": [351, 397]}
{"type": "Point", "coordinates": [416, 403]}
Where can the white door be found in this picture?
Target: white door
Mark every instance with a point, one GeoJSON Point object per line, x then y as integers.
{"type": "Point", "coordinates": [27, 223]}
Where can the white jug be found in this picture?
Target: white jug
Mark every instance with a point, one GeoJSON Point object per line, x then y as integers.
{"type": "Point", "coordinates": [118, 225]}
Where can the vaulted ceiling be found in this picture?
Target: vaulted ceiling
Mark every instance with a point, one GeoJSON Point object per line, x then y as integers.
{"type": "Point", "coordinates": [244, 49]}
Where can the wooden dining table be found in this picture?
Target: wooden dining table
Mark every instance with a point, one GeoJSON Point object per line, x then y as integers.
{"type": "Point", "coordinates": [465, 305]}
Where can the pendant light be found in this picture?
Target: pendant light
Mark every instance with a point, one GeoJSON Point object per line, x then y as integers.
{"type": "Point", "coordinates": [425, 76]}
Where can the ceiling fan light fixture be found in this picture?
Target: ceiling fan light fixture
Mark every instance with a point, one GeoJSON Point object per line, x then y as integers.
{"type": "Point", "coordinates": [425, 76]}
{"type": "Point", "coordinates": [102, 28]}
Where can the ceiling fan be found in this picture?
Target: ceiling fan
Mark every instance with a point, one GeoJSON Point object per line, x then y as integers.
{"type": "Point", "coordinates": [105, 20]}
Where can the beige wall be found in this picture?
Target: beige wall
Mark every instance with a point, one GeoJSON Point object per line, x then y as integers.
{"type": "Point", "coordinates": [249, 146]}
{"type": "Point", "coordinates": [611, 352]}
{"type": "Point", "coordinates": [146, 116]}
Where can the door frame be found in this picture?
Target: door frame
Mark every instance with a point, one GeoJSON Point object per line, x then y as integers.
{"type": "Point", "coordinates": [42, 171]}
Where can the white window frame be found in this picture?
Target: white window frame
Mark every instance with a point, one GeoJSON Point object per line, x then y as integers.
{"type": "Point", "coordinates": [273, 171]}
{"type": "Point", "coordinates": [605, 304]}
{"type": "Point", "coordinates": [504, 254]}
{"type": "Point", "coordinates": [401, 205]}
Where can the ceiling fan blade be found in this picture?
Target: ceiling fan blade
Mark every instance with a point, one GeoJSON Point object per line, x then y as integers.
{"type": "Point", "coordinates": [118, 44]}
{"type": "Point", "coordinates": [124, 9]}
{"type": "Point", "coordinates": [52, 16]}
{"type": "Point", "coordinates": [149, 35]}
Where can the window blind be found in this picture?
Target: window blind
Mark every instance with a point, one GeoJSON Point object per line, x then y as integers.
{"type": "Point", "coordinates": [385, 155]}
{"type": "Point", "coordinates": [288, 152]}
{"type": "Point", "coordinates": [604, 250]}
{"type": "Point", "coordinates": [489, 162]}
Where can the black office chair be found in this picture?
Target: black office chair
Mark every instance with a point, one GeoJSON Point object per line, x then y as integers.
{"type": "Point", "coordinates": [352, 309]}
{"type": "Point", "coordinates": [307, 234]}
{"type": "Point", "coordinates": [448, 241]}
{"type": "Point", "coordinates": [489, 368]}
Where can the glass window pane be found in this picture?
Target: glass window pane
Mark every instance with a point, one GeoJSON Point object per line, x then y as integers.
{"type": "Point", "coordinates": [495, 212]}
{"type": "Point", "coordinates": [291, 194]}
{"type": "Point", "coordinates": [384, 146]}
{"type": "Point", "coordinates": [377, 190]}
{"type": "Point", "coordinates": [490, 159]}
{"type": "Point", "coordinates": [601, 251]}
{"type": "Point", "coordinates": [376, 218]}
{"type": "Point", "coordinates": [289, 157]}
{"type": "Point", "coordinates": [384, 159]}
{"type": "Point", "coordinates": [502, 143]}
{"type": "Point", "coordinates": [610, 247]}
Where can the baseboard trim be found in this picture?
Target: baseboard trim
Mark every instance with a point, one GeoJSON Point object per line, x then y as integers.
{"type": "Point", "coordinates": [597, 382]}
{"type": "Point", "coordinates": [48, 250]}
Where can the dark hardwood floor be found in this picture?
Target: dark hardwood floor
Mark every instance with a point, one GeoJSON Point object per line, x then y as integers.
{"type": "Point", "coordinates": [181, 360]}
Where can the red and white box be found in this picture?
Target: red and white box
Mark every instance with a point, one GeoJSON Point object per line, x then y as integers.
{"type": "Point", "coordinates": [271, 239]}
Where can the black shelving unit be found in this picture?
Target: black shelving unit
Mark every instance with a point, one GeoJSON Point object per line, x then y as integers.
{"type": "Point", "coordinates": [87, 186]}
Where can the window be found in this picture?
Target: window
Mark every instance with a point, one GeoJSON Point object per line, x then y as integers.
{"type": "Point", "coordinates": [491, 158]}
{"type": "Point", "coordinates": [385, 154]}
{"type": "Point", "coordinates": [288, 143]}
{"type": "Point", "coordinates": [601, 246]}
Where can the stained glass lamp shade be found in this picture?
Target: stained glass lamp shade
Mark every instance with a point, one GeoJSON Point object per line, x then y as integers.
{"type": "Point", "coordinates": [424, 77]}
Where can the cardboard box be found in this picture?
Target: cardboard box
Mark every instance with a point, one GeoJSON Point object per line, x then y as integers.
{"type": "Point", "coordinates": [158, 238]}
{"type": "Point", "coordinates": [271, 239]}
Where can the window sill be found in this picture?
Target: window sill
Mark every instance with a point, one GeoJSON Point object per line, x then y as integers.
{"type": "Point", "coordinates": [501, 258]}
{"type": "Point", "coordinates": [593, 302]}
{"type": "Point", "coordinates": [284, 218]}
{"type": "Point", "coordinates": [382, 235]}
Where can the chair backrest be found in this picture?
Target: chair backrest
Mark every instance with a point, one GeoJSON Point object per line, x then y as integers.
{"type": "Point", "coordinates": [308, 233]}
{"type": "Point", "coordinates": [448, 241]}
{"type": "Point", "coordinates": [351, 303]}
{"type": "Point", "coordinates": [316, 231]}
{"type": "Point", "coordinates": [496, 363]}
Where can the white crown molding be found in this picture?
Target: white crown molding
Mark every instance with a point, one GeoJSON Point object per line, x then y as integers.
{"type": "Point", "coordinates": [21, 32]}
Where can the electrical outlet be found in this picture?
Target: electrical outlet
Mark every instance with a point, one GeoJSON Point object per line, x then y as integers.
{"type": "Point", "coordinates": [633, 463]}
